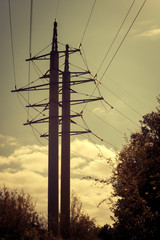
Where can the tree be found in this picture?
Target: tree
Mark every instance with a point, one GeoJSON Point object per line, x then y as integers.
{"type": "Point", "coordinates": [20, 221]}
{"type": "Point", "coordinates": [82, 227]}
{"type": "Point", "coordinates": [136, 183]}
{"type": "Point", "coordinates": [18, 218]}
{"type": "Point", "coordinates": [106, 233]}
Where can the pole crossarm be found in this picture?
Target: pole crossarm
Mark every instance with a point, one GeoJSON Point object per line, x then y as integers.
{"type": "Point", "coordinates": [33, 88]}
{"type": "Point", "coordinates": [77, 74]}
{"type": "Point", "coordinates": [42, 120]}
{"type": "Point", "coordinates": [72, 133]}
{"type": "Point", "coordinates": [80, 101]}
{"type": "Point", "coordinates": [73, 74]}
{"type": "Point", "coordinates": [45, 105]}
{"type": "Point", "coordinates": [46, 119]}
{"type": "Point", "coordinates": [43, 57]}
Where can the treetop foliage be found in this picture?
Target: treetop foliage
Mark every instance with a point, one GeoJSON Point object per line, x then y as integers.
{"type": "Point", "coordinates": [20, 221]}
{"type": "Point", "coordinates": [136, 183]}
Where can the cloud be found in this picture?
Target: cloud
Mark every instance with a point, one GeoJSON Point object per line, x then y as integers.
{"type": "Point", "coordinates": [98, 110]}
{"type": "Point", "coordinates": [33, 158]}
{"type": "Point", "coordinates": [6, 141]}
{"type": "Point", "coordinates": [32, 183]}
{"type": "Point", "coordinates": [91, 195]}
{"type": "Point", "coordinates": [153, 33]}
{"type": "Point", "coordinates": [26, 167]}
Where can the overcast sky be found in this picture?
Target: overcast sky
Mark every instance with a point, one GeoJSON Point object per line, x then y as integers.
{"type": "Point", "coordinates": [130, 84]}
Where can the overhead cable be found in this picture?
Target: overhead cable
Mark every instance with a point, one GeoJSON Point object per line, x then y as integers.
{"type": "Point", "coordinates": [90, 159]}
{"type": "Point", "coordinates": [43, 49]}
{"type": "Point", "coordinates": [94, 143]}
{"type": "Point", "coordinates": [123, 39]}
{"type": "Point", "coordinates": [116, 129]}
{"type": "Point", "coordinates": [35, 130]}
{"type": "Point", "coordinates": [128, 93]}
{"type": "Point", "coordinates": [30, 50]}
{"type": "Point", "coordinates": [118, 48]}
{"type": "Point", "coordinates": [118, 110]}
{"type": "Point", "coordinates": [30, 31]}
{"type": "Point", "coordinates": [98, 137]}
{"type": "Point", "coordinates": [129, 119]}
{"type": "Point", "coordinates": [88, 21]}
{"type": "Point", "coordinates": [116, 35]}
{"type": "Point", "coordinates": [11, 36]}
{"type": "Point", "coordinates": [122, 100]}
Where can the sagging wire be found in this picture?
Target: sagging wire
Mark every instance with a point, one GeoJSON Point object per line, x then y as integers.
{"type": "Point", "coordinates": [90, 159]}
{"type": "Point", "coordinates": [88, 21]}
{"type": "Point", "coordinates": [116, 35]}
{"type": "Point", "coordinates": [71, 64]}
{"type": "Point", "coordinates": [40, 112]}
{"type": "Point", "coordinates": [83, 55]}
{"type": "Point", "coordinates": [100, 155]}
{"type": "Point", "coordinates": [43, 49]}
{"type": "Point", "coordinates": [116, 109]}
{"type": "Point", "coordinates": [12, 47]}
{"type": "Point", "coordinates": [128, 93]}
{"type": "Point", "coordinates": [30, 53]}
{"type": "Point", "coordinates": [119, 45]}
{"type": "Point", "coordinates": [123, 39]}
{"type": "Point", "coordinates": [116, 129]}
{"type": "Point", "coordinates": [35, 130]}
{"type": "Point", "coordinates": [13, 58]}
{"type": "Point", "coordinates": [40, 73]}
{"type": "Point", "coordinates": [27, 85]}
{"type": "Point", "coordinates": [97, 83]}
{"type": "Point", "coordinates": [121, 100]}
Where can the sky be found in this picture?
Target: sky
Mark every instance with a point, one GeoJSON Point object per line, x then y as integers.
{"type": "Point", "coordinates": [129, 82]}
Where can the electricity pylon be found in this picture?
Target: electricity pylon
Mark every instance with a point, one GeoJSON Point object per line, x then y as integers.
{"type": "Point", "coordinates": [53, 163]}
{"type": "Point", "coordinates": [65, 150]}
{"type": "Point", "coordinates": [55, 120]}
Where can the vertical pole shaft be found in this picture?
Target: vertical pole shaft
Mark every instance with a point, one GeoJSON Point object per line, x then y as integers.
{"type": "Point", "coordinates": [65, 152]}
{"type": "Point", "coordinates": [53, 168]}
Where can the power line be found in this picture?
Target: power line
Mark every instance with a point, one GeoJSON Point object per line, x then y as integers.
{"type": "Point", "coordinates": [35, 130]}
{"type": "Point", "coordinates": [40, 73]}
{"type": "Point", "coordinates": [90, 159]}
{"type": "Point", "coordinates": [118, 48]}
{"type": "Point", "coordinates": [84, 57]}
{"type": "Point", "coordinates": [88, 21]}
{"type": "Point", "coordinates": [121, 100]}
{"type": "Point", "coordinates": [123, 39]}
{"type": "Point", "coordinates": [30, 32]}
{"type": "Point", "coordinates": [94, 143]}
{"type": "Point", "coordinates": [11, 36]}
{"type": "Point", "coordinates": [30, 48]}
{"type": "Point", "coordinates": [127, 92]}
{"type": "Point", "coordinates": [43, 49]}
{"type": "Point", "coordinates": [116, 35]}
{"type": "Point", "coordinates": [39, 112]}
{"type": "Point", "coordinates": [126, 117]}
{"type": "Point", "coordinates": [97, 135]}
{"type": "Point", "coordinates": [118, 110]}
{"type": "Point", "coordinates": [116, 129]}
{"type": "Point", "coordinates": [13, 58]}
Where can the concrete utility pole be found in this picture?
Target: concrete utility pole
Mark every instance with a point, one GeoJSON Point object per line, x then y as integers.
{"type": "Point", "coordinates": [65, 151]}
{"type": "Point", "coordinates": [53, 166]}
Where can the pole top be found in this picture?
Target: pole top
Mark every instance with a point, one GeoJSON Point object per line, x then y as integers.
{"type": "Point", "coordinates": [66, 67]}
{"type": "Point", "coordinates": [54, 42]}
